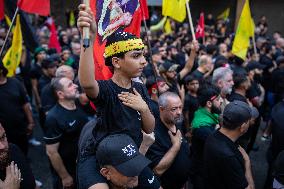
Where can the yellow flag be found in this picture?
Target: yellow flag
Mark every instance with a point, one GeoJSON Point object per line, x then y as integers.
{"type": "Point", "coordinates": [225, 14]}
{"type": "Point", "coordinates": [245, 30]}
{"type": "Point", "coordinates": [72, 19]}
{"type": "Point", "coordinates": [167, 27]}
{"type": "Point", "coordinates": [13, 56]}
{"type": "Point", "coordinates": [175, 9]}
{"type": "Point", "coordinates": [8, 21]}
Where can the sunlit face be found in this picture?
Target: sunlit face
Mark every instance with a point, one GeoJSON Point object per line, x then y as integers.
{"type": "Point", "coordinates": [70, 90]}
{"type": "Point", "coordinates": [163, 87]}
{"type": "Point", "coordinates": [173, 111]}
{"type": "Point", "coordinates": [119, 180]}
{"type": "Point", "coordinates": [133, 63]}
{"type": "Point", "coordinates": [227, 84]}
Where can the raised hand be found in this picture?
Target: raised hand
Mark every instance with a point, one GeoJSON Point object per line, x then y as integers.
{"type": "Point", "coordinates": [86, 19]}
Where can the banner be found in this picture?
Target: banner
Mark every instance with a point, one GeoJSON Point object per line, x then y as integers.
{"type": "Point", "coordinates": [200, 27]}
{"type": "Point", "coordinates": [245, 30]}
{"type": "Point", "coordinates": [112, 16]}
{"type": "Point", "coordinates": [41, 7]}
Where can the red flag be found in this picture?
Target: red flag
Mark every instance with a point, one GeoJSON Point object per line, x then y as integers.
{"type": "Point", "coordinates": [200, 27]}
{"type": "Point", "coordinates": [111, 16]}
{"type": "Point", "coordinates": [53, 39]}
{"type": "Point", "coordinates": [144, 9]}
{"type": "Point", "coordinates": [41, 7]}
{"type": "Point", "coordinates": [2, 9]}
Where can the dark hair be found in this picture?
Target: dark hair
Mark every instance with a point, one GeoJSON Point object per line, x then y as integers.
{"type": "Point", "coordinates": [229, 125]}
{"type": "Point", "coordinates": [56, 85]}
{"type": "Point", "coordinates": [115, 37]}
{"type": "Point", "coordinates": [239, 79]}
{"type": "Point", "coordinates": [206, 93]}
{"type": "Point", "coordinates": [189, 79]}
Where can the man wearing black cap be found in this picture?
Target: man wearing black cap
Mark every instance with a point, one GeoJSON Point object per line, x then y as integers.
{"type": "Point", "coordinates": [120, 161]}
{"type": "Point", "coordinates": [226, 164]}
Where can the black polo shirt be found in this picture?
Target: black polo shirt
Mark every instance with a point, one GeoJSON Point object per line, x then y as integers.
{"type": "Point", "coordinates": [64, 126]}
{"type": "Point", "coordinates": [178, 173]}
{"type": "Point", "coordinates": [113, 115]}
{"type": "Point", "coordinates": [223, 163]}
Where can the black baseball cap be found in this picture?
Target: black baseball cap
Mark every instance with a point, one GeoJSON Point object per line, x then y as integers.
{"type": "Point", "coordinates": [254, 65]}
{"type": "Point", "coordinates": [168, 66]}
{"type": "Point", "coordinates": [239, 112]}
{"type": "Point", "coordinates": [120, 151]}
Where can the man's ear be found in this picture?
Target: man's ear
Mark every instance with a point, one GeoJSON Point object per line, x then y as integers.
{"type": "Point", "coordinates": [115, 62]}
{"type": "Point", "coordinates": [105, 172]}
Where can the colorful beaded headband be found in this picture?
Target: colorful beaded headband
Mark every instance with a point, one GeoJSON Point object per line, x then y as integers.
{"type": "Point", "coordinates": [123, 46]}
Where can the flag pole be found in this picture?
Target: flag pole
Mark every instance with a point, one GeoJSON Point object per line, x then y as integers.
{"type": "Point", "coordinates": [9, 31]}
{"type": "Point", "coordinates": [149, 47]}
{"type": "Point", "coordinates": [190, 21]}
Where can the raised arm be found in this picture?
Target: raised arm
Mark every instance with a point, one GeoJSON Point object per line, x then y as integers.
{"type": "Point", "coordinates": [189, 64]}
{"type": "Point", "coordinates": [86, 64]}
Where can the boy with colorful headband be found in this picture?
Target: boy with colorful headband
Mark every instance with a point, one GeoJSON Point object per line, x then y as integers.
{"type": "Point", "coordinates": [121, 103]}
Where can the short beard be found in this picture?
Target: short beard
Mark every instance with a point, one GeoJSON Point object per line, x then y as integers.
{"type": "Point", "coordinates": [4, 159]}
{"type": "Point", "coordinates": [215, 110]}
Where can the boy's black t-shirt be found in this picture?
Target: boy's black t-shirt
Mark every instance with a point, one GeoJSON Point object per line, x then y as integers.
{"type": "Point", "coordinates": [12, 98]}
{"type": "Point", "coordinates": [113, 115]}
{"type": "Point", "coordinates": [19, 158]}
{"type": "Point", "coordinates": [64, 126]}
{"type": "Point", "coordinates": [36, 71]}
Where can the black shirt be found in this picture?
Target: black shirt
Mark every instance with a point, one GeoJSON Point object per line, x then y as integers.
{"type": "Point", "coordinates": [235, 96]}
{"type": "Point", "coordinates": [223, 163]}
{"type": "Point", "coordinates": [64, 126]}
{"type": "Point", "coordinates": [48, 99]}
{"type": "Point", "coordinates": [277, 120]}
{"type": "Point", "coordinates": [19, 158]}
{"type": "Point", "coordinates": [191, 104]}
{"type": "Point", "coordinates": [178, 173]}
{"type": "Point", "coordinates": [43, 81]}
{"type": "Point", "coordinates": [113, 116]}
{"type": "Point", "coordinates": [12, 98]}
{"type": "Point", "coordinates": [36, 71]}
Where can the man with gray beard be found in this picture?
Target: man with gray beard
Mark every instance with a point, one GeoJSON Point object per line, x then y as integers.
{"type": "Point", "coordinates": [223, 79]}
{"type": "Point", "coordinates": [170, 152]}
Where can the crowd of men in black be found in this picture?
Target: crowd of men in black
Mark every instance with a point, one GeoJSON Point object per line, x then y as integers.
{"type": "Point", "coordinates": [186, 117]}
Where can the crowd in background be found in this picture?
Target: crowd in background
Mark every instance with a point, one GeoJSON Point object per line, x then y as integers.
{"type": "Point", "coordinates": [204, 74]}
